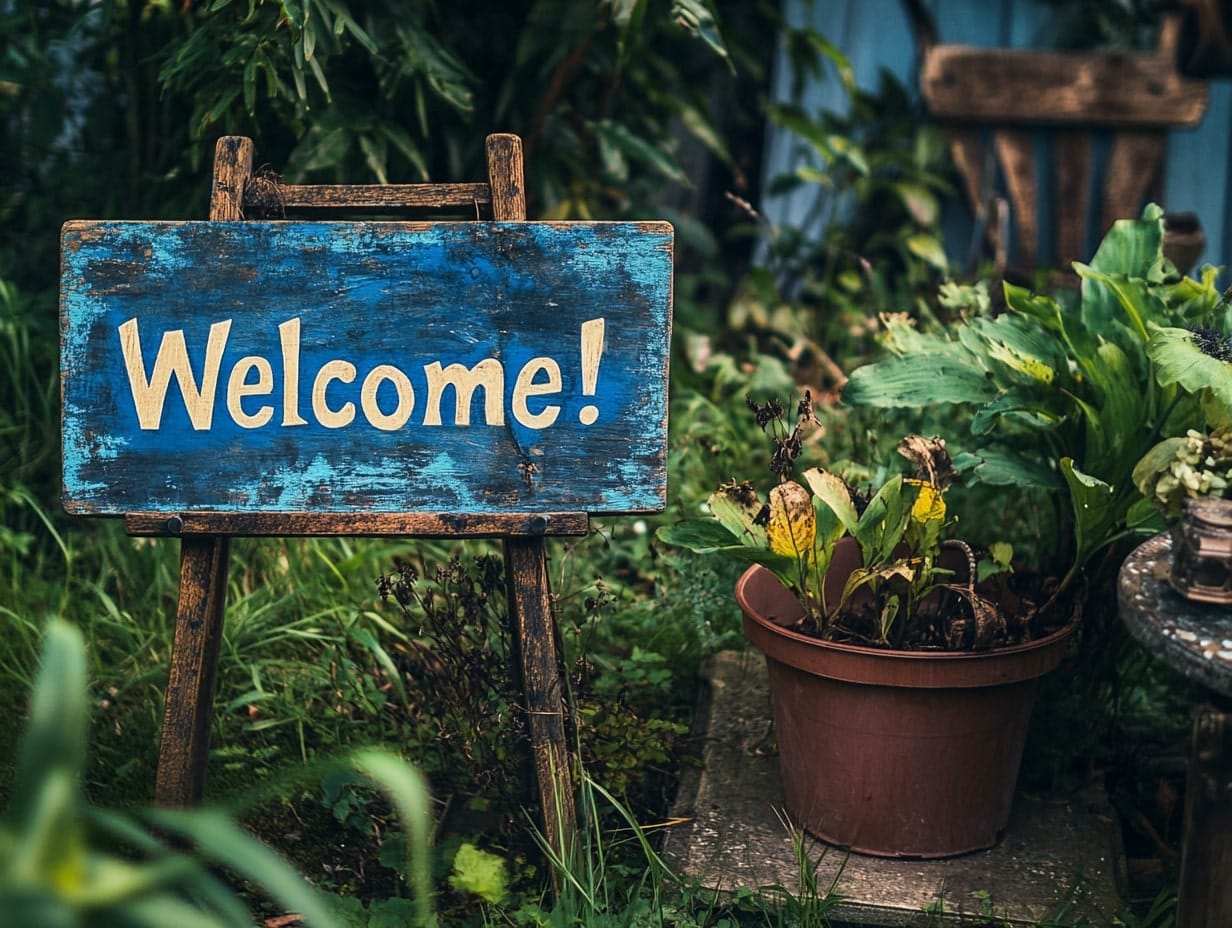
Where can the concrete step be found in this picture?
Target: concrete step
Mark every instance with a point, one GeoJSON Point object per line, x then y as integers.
{"type": "Point", "coordinates": [1059, 857]}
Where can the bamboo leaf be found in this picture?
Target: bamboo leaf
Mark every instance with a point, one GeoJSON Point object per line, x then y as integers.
{"type": "Point", "coordinates": [640, 149]}
{"type": "Point", "coordinates": [699, 125]}
{"type": "Point", "coordinates": [622, 11]}
{"type": "Point", "coordinates": [375, 156]}
{"type": "Point", "coordinates": [401, 140]}
{"type": "Point", "coordinates": [698, 17]}
{"type": "Point", "coordinates": [310, 42]}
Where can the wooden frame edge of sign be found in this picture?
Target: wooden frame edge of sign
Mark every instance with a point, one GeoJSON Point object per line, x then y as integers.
{"type": "Point", "coordinates": [355, 525]}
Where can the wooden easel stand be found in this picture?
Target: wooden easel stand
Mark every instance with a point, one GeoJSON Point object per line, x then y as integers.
{"type": "Point", "coordinates": [205, 537]}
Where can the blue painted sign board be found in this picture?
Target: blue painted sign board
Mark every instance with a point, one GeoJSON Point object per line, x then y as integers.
{"type": "Point", "coordinates": [369, 367]}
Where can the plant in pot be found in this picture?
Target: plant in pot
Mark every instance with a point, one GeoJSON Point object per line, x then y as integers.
{"type": "Point", "coordinates": [902, 668]}
{"type": "Point", "coordinates": [1062, 396]}
{"type": "Point", "coordinates": [1189, 477]}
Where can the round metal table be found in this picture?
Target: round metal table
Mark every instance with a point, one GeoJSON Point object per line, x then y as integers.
{"type": "Point", "coordinates": [1195, 639]}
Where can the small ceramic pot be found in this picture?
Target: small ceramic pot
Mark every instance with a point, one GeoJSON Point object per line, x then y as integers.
{"type": "Point", "coordinates": [1202, 551]}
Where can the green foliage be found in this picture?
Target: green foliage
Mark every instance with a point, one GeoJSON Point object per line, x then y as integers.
{"type": "Point", "coordinates": [457, 693]}
{"type": "Point", "coordinates": [870, 240]}
{"type": "Point", "coordinates": [63, 861]}
{"type": "Point", "coordinates": [1200, 362]}
{"type": "Point", "coordinates": [597, 885]}
{"type": "Point", "coordinates": [1062, 398]}
{"type": "Point", "coordinates": [349, 91]}
{"type": "Point", "coordinates": [359, 91]}
{"type": "Point", "coordinates": [28, 448]}
{"type": "Point", "coordinates": [1106, 24]}
{"type": "Point", "coordinates": [477, 872]}
{"type": "Point", "coordinates": [333, 73]}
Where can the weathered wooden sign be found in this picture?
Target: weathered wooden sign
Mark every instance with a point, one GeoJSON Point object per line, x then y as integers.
{"type": "Point", "coordinates": [365, 367]}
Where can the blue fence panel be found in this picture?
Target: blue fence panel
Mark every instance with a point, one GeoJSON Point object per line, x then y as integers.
{"type": "Point", "coordinates": [876, 35]}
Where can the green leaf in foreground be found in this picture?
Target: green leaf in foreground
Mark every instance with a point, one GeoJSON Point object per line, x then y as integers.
{"type": "Point", "coordinates": [477, 872]}
{"type": "Point", "coordinates": [1179, 360]}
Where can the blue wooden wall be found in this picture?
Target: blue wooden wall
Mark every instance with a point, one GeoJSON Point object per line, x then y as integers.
{"type": "Point", "coordinates": [876, 35]}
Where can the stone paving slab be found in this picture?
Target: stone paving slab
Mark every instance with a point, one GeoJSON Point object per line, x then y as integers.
{"type": "Point", "coordinates": [1059, 857]}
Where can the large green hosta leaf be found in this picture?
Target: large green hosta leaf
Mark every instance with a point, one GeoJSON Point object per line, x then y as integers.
{"type": "Point", "coordinates": [915, 380]}
{"type": "Point", "coordinates": [1004, 467]}
{"type": "Point", "coordinates": [1179, 361]}
{"type": "Point", "coordinates": [1021, 350]}
{"type": "Point", "coordinates": [1135, 247]}
{"type": "Point", "coordinates": [1079, 344]}
{"type": "Point", "coordinates": [1034, 407]}
{"type": "Point", "coordinates": [1096, 514]}
{"type": "Point", "coordinates": [1118, 307]}
{"type": "Point", "coordinates": [1118, 424]}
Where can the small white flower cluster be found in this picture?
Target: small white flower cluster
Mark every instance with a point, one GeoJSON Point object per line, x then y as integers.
{"type": "Point", "coordinates": [1201, 466]}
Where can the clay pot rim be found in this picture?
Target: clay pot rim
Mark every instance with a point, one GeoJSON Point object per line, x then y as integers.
{"type": "Point", "coordinates": [921, 668]}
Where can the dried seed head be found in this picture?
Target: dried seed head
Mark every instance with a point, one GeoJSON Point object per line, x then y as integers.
{"type": "Point", "coordinates": [1213, 343]}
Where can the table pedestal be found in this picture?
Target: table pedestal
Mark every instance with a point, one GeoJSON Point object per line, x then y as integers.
{"type": "Point", "coordinates": [1196, 639]}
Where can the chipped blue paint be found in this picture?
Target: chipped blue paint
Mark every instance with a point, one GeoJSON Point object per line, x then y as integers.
{"type": "Point", "coordinates": [370, 294]}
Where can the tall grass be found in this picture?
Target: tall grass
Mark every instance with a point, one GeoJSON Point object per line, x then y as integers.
{"type": "Point", "coordinates": [66, 861]}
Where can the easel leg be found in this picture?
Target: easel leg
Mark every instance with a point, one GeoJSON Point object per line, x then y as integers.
{"type": "Point", "coordinates": [189, 705]}
{"type": "Point", "coordinates": [535, 638]}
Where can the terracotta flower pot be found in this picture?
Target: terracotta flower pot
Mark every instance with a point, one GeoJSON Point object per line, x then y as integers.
{"type": "Point", "coordinates": [894, 753]}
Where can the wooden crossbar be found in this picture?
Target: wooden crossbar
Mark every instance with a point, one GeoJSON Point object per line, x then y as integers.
{"type": "Point", "coordinates": [354, 525]}
{"type": "Point", "coordinates": [386, 196]}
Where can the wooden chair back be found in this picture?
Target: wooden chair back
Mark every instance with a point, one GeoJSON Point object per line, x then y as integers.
{"type": "Point", "coordinates": [1075, 139]}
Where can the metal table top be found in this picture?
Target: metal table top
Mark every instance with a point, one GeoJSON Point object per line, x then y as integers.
{"type": "Point", "coordinates": [1194, 638]}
